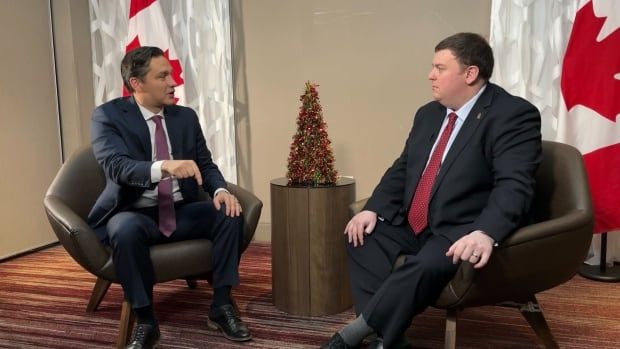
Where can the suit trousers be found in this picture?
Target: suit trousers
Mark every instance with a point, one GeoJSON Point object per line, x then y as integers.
{"type": "Point", "coordinates": [131, 233]}
{"type": "Point", "coordinates": [388, 298]}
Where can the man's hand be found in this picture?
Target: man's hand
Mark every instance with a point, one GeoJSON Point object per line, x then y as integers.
{"type": "Point", "coordinates": [362, 223]}
{"type": "Point", "coordinates": [475, 247]}
{"type": "Point", "coordinates": [233, 208]}
{"type": "Point", "coordinates": [181, 169]}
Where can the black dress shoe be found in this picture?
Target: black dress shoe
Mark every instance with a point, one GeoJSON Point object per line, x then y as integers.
{"type": "Point", "coordinates": [144, 337]}
{"type": "Point", "coordinates": [336, 342]}
{"type": "Point", "coordinates": [225, 319]}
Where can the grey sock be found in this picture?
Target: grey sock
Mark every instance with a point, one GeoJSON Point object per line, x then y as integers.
{"type": "Point", "coordinates": [355, 332]}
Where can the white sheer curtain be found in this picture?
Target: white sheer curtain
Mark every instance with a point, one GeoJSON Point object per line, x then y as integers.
{"type": "Point", "coordinates": [529, 39]}
{"type": "Point", "coordinates": [201, 35]}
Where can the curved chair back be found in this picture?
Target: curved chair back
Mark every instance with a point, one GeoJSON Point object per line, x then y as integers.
{"type": "Point", "coordinates": [67, 203]}
{"type": "Point", "coordinates": [541, 255]}
{"type": "Point", "coordinates": [74, 191]}
{"type": "Point", "coordinates": [536, 257]}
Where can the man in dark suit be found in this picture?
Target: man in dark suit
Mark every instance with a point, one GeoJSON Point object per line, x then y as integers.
{"type": "Point", "coordinates": [463, 183]}
{"type": "Point", "coordinates": [154, 156]}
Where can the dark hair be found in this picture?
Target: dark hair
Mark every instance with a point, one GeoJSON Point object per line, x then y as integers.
{"type": "Point", "coordinates": [136, 62]}
{"type": "Point", "coordinates": [470, 49]}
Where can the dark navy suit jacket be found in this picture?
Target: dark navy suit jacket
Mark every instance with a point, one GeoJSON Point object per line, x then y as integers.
{"type": "Point", "coordinates": [122, 146]}
{"type": "Point", "coordinates": [486, 181]}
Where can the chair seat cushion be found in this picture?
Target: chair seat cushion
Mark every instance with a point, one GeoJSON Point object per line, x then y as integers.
{"type": "Point", "coordinates": [197, 260]}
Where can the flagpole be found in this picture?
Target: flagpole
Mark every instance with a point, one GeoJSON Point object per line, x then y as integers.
{"type": "Point", "coordinates": [601, 272]}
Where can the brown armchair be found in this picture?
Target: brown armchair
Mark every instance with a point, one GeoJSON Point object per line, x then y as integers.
{"type": "Point", "coordinates": [67, 203]}
{"type": "Point", "coordinates": [522, 266]}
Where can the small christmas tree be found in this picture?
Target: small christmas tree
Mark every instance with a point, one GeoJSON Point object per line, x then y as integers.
{"type": "Point", "coordinates": [311, 161]}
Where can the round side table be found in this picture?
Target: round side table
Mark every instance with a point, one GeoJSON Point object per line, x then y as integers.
{"type": "Point", "coordinates": [309, 262]}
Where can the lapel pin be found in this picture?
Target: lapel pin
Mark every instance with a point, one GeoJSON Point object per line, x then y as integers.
{"type": "Point", "coordinates": [479, 116]}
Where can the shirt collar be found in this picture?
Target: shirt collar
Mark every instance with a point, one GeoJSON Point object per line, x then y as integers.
{"type": "Point", "coordinates": [463, 111]}
{"type": "Point", "coordinates": [147, 114]}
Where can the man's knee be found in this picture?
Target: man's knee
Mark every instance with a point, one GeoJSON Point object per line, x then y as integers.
{"type": "Point", "coordinates": [437, 269]}
{"type": "Point", "coordinates": [237, 225]}
{"type": "Point", "coordinates": [352, 249]}
{"type": "Point", "coordinates": [232, 221]}
{"type": "Point", "coordinates": [232, 224]}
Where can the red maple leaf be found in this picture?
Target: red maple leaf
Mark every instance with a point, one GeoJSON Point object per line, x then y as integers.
{"type": "Point", "coordinates": [137, 6]}
{"type": "Point", "coordinates": [176, 71]}
{"type": "Point", "coordinates": [176, 68]}
{"type": "Point", "coordinates": [589, 68]}
{"type": "Point", "coordinates": [135, 43]}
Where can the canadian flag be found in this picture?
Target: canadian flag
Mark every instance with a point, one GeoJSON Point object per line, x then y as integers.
{"type": "Point", "coordinates": [147, 27]}
{"type": "Point", "coordinates": [590, 85]}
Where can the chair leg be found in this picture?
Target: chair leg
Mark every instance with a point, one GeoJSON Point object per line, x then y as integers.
{"type": "Point", "coordinates": [99, 291]}
{"type": "Point", "coordinates": [125, 325]}
{"type": "Point", "coordinates": [450, 337]}
{"type": "Point", "coordinates": [535, 317]}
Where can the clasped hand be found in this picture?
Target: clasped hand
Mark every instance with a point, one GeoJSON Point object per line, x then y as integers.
{"type": "Point", "coordinates": [181, 169]}
{"type": "Point", "coordinates": [187, 169]}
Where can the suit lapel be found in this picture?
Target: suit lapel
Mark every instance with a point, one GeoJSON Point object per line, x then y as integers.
{"type": "Point", "coordinates": [476, 115]}
{"type": "Point", "coordinates": [137, 123]}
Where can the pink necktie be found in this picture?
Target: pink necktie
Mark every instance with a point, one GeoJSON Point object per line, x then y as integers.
{"type": "Point", "coordinates": [165, 202]}
{"type": "Point", "coordinates": [418, 211]}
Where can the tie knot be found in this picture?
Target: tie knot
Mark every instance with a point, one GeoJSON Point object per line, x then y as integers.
{"type": "Point", "coordinates": [157, 119]}
{"type": "Point", "coordinates": [452, 117]}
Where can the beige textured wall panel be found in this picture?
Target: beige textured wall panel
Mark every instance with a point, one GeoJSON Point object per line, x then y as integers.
{"type": "Point", "coordinates": [75, 71]}
{"type": "Point", "coordinates": [371, 59]}
{"type": "Point", "coordinates": [29, 136]}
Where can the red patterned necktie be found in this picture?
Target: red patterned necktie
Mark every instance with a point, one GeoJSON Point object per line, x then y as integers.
{"type": "Point", "coordinates": [418, 211]}
{"type": "Point", "coordinates": [165, 202]}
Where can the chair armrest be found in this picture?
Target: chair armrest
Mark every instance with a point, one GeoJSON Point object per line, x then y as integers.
{"type": "Point", "coordinates": [457, 287]}
{"type": "Point", "coordinates": [357, 206]}
{"type": "Point", "coordinates": [574, 219]}
{"type": "Point", "coordinates": [252, 207]}
{"type": "Point", "coordinates": [521, 266]}
{"type": "Point", "coordinates": [75, 235]}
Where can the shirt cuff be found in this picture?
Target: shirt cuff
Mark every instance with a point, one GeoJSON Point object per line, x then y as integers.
{"type": "Point", "coordinates": [156, 171]}
{"type": "Point", "coordinates": [219, 190]}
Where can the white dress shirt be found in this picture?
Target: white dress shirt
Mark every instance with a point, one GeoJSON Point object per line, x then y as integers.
{"type": "Point", "coordinates": [149, 197]}
{"type": "Point", "coordinates": [461, 116]}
